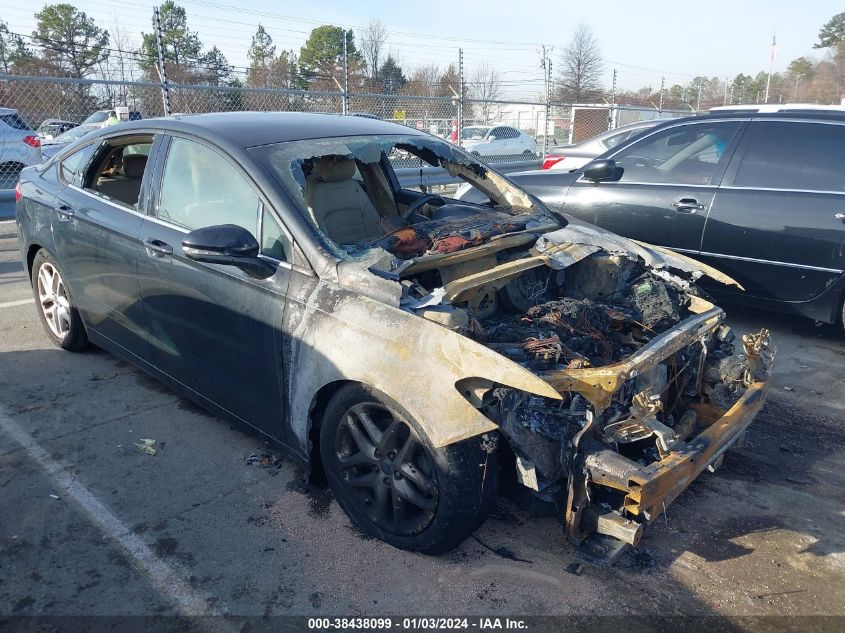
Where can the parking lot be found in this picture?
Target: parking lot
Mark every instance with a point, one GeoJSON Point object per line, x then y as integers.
{"type": "Point", "coordinates": [92, 525]}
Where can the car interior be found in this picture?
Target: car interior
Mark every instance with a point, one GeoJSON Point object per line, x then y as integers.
{"type": "Point", "coordinates": [118, 170]}
{"type": "Point", "coordinates": [353, 202]}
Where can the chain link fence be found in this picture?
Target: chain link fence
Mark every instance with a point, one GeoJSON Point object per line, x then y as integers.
{"type": "Point", "coordinates": [505, 133]}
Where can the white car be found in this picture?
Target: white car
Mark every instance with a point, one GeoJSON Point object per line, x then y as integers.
{"type": "Point", "coordinates": [20, 147]}
{"type": "Point", "coordinates": [497, 140]}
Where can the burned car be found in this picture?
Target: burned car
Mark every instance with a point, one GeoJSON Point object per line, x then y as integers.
{"type": "Point", "coordinates": [415, 348]}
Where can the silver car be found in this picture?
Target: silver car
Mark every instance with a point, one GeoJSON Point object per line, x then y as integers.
{"type": "Point", "coordinates": [20, 147]}
{"type": "Point", "coordinates": [567, 157]}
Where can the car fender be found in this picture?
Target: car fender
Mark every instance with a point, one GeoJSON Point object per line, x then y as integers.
{"type": "Point", "coordinates": [34, 218]}
{"type": "Point", "coordinates": [335, 335]}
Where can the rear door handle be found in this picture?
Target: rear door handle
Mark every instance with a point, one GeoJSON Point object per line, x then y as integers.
{"type": "Point", "coordinates": [688, 205]}
{"type": "Point", "coordinates": [65, 212]}
{"type": "Point", "coordinates": [157, 248]}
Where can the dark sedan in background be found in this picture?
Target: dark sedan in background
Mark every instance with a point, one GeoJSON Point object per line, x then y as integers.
{"type": "Point", "coordinates": [760, 196]}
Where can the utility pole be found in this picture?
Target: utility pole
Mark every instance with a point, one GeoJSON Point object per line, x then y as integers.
{"type": "Point", "coordinates": [460, 96]}
{"type": "Point", "coordinates": [546, 64]}
{"type": "Point", "coordinates": [772, 54]}
{"type": "Point", "coordinates": [662, 88]}
{"type": "Point", "coordinates": [698, 102]}
{"type": "Point", "coordinates": [727, 82]}
{"type": "Point", "coordinates": [797, 79]}
{"type": "Point", "coordinates": [611, 117]}
{"type": "Point", "coordinates": [345, 75]}
{"type": "Point", "coordinates": [162, 73]}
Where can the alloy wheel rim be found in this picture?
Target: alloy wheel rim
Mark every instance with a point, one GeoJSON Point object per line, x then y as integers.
{"type": "Point", "coordinates": [387, 472]}
{"type": "Point", "coordinates": [53, 299]}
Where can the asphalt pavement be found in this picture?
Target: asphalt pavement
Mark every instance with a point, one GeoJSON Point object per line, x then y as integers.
{"type": "Point", "coordinates": [91, 524]}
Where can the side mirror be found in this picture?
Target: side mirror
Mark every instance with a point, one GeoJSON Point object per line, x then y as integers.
{"type": "Point", "coordinates": [492, 137]}
{"type": "Point", "coordinates": [226, 244]}
{"type": "Point", "coordinates": [604, 170]}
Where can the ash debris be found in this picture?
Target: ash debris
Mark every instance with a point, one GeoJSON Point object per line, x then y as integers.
{"type": "Point", "coordinates": [572, 333]}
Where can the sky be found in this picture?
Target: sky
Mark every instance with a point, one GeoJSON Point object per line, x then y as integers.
{"type": "Point", "coordinates": [642, 41]}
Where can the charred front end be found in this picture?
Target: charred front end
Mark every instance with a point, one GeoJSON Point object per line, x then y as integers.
{"type": "Point", "coordinates": [654, 386]}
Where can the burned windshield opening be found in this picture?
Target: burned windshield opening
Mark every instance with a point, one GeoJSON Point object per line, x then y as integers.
{"type": "Point", "coordinates": [367, 195]}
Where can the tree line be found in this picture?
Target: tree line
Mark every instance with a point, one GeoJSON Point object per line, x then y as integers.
{"type": "Point", "coordinates": [68, 43]}
{"type": "Point", "coordinates": [805, 80]}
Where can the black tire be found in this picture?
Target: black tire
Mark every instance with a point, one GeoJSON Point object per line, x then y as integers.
{"type": "Point", "coordinates": [455, 485]}
{"type": "Point", "coordinates": [73, 337]}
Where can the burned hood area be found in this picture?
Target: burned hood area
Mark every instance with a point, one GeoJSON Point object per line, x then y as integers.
{"type": "Point", "coordinates": [651, 387]}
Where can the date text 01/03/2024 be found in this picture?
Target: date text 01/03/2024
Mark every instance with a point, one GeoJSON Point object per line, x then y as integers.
{"type": "Point", "coordinates": [417, 623]}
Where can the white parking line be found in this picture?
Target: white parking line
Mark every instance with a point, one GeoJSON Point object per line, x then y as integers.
{"type": "Point", "coordinates": [167, 580]}
{"type": "Point", "coordinates": [19, 302]}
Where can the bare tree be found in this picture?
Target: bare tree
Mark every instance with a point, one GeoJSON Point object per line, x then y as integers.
{"type": "Point", "coordinates": [486, 86]}
{"type": "Point", "coordinates": [373, 40]}
{"type": "Point", "coordinates": [581, 66]}
{"type": "Point", "coordinates": [422, 82]}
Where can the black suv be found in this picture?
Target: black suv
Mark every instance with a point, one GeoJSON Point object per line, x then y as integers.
{"type": "Point", "coordinates": [760, 196]}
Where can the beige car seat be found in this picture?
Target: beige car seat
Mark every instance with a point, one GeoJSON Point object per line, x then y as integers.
{"type": "Point", "coordinates": [126, 188]}
{"type": "Point", "coordinates": [338, 204]}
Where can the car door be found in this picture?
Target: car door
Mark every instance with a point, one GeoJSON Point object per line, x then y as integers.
{"type": "Point", "coordinates": [214, 328]}
{"type": "Point", "coordinates": [666, 188]}
{"type": "Point", "coordinates": [95, 233]}
{"type": "Point", "coordinates": [501, 145]}
{"type": "Point", "coordinates": [778, 221]}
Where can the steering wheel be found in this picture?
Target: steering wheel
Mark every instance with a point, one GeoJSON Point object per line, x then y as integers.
{"type": "Point", "coordinates": [419, 202]}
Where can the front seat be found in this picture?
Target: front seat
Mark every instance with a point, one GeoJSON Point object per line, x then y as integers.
{"type": "Point", "coordinates": [337, 203]}
{"type": "Point", "coordinates": [127, 188]}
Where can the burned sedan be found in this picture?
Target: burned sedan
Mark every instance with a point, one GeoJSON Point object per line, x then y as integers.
{"type": "Point", "coordinates": [417, 349]}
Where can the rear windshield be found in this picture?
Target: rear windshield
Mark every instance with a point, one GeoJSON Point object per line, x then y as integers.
{"type": "Point", "coordinates": [14, 121]}
{"type": "Point", "coordinates": [97, 117]}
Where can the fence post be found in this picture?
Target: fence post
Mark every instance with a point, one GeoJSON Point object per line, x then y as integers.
{"type": "Point", "coordinates": [345, 76]}
{"type": "Point", "coordinates": [662, 88]}
{"type": "Point", "coordinates": [165, 89]}
{"type": "Point", "coordinates": [460, 96]}
{"type": "Point", "coordinates": [547, 114]}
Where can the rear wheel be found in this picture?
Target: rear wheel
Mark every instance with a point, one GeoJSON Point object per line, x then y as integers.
{"type": "Point", "coordinates": [58, 315]}
{"type": "Point", "coordinates": [393, 484]}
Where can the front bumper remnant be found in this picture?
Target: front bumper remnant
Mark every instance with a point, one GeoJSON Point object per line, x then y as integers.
{"type": "Point", "coordinates": [650, 489]}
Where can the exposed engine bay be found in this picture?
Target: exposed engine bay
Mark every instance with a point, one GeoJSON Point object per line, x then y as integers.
{"type": "Point", "coordinates": [653, 387]}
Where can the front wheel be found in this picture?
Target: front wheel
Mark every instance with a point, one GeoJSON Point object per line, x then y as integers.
{"type": "Point", "coordinates": [58, 315]}
{"type": "Point", "coordinates": [393, 484]}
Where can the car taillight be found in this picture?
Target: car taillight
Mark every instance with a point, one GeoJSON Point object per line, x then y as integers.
{"type": "Point", "coordinates": [18, 194]}
{"type": "Point", "coordinates": [32, 140]}
{"type": "Point", "coordinates": [548, 161]}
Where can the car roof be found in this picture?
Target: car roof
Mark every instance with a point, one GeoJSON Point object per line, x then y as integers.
{"type": "Point", "coordinates": [744, 115]}
{"type": "Point", "coordinates": [249, 129]}
{"type": "Point", "coordinates": [779, 107]}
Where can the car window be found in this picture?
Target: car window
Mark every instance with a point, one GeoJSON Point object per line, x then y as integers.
{"type": "Point", "coordinates": [72, 166]}
{"type": "Point", "coordinates": [686, 154]}
{"type": "Point", "coordinates": [614, 139]}
{"type": "Point", "coordinates": [785, 155]}
{"type": "Point", "coordinates": [201, 188]}
{"type": "Point", "coordinates": [14, 121]}
{"type": "Point", "coordinates": [273, 239]}
{"type": "Point", "coordinates": [117, 172]}
{"type": "Point", "coordinates": [474, 133]}
{"type": "Point", "coordinates": [97, 117]}
{"type": "Point", "coordinates": [499, 132]}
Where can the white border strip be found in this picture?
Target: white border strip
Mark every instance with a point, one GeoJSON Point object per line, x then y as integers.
{"type": "Point", "coordinates": [166, 579]}
{"type": "Point", "coordinates": [19, 302]}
